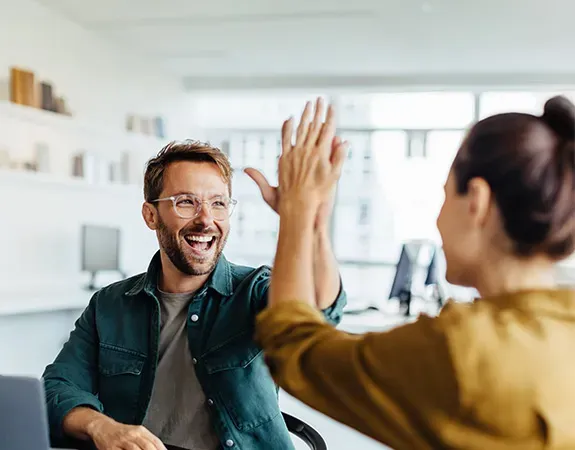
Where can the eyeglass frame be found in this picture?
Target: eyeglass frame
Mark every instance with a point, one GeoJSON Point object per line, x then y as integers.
{"type": "Point", "coordinates": [173, 198]}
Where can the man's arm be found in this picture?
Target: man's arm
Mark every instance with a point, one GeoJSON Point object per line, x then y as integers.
{"type": "Point", "coordinates": [71, 385]}
{"type": "Point", "coordinates": [330, 296]}
{"type": "Point", "coordinates": [71, 380]}
{"type": "Point", "coordinates": [325, 269]}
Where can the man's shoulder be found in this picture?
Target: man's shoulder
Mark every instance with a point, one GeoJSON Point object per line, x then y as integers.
{"type": "Point", "coordinates": [122, 287]}
{"type": "Point", "coordinates": [244, 275]}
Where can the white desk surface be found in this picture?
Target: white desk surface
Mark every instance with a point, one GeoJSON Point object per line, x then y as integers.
{"type": "Point", "coordinates": [371, 321]}
{"type": "Point", "coordinates": [17, 303]}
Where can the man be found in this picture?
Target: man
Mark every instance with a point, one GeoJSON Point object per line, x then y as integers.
{"type": "Point", "coordinates": [167, 357]}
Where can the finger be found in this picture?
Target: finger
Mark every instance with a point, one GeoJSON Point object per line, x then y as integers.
{"type": "Point", "coordinates": [287, 134]}
{"type": "Point", "coordinates": [334, 144]}
{"type": "Point", "coordinates": [152, 440]}
{"type": "Point", "coordinates": [302, 129]}
{"type": "Point", "coordinates": [338, 157]}
{"type": "Point", "coordinates": [260, 179]}
{"type": "Point", "coordinates": [316, 124]}
{"type": "Point", "coordinates": [143, 443]}
{"type": "Point", "coordinates": [157, 444]}
{"type": "Point", "coordinates": [147, 444]}
{"type": "Point", "coordinates": [131, 446]}
{"type": "Point", "coordinates": [327, 130]}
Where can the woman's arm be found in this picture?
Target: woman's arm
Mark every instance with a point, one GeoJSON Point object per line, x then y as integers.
{"type": "Point", "coordinates": [397, 387]}
{"type": "Point", "coordinates": [308, 172]}
{"type": "Point", "coordinates": [384, 385]}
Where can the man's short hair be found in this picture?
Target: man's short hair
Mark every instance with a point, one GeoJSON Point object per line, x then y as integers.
{"type": "Point", "coordinates": [188, 150]}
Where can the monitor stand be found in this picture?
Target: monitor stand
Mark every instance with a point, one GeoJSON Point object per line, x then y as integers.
{"type": "Point", "coordinates": [92, 283]}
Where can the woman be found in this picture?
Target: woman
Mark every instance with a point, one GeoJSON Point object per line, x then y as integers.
{"type": "Point", "coordinates": [498, 373]}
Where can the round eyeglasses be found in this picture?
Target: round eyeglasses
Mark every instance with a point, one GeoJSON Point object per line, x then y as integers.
{"type": "Point", "coordinates": [189, 206]}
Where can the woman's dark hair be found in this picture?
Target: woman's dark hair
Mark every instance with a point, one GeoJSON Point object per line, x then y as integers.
{"type": "Point", "coordinates": [529, 163]}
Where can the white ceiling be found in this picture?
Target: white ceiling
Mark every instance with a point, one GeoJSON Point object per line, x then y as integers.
{"type": "Point", "coordinates": [299, 39]}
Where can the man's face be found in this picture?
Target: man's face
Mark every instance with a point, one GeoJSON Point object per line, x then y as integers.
{"type": "Point", "coordinates": [193, 245]}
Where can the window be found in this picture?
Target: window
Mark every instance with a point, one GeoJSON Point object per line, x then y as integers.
{"type": "Point", "coordinates": [365, 221]}
{"type": "Point", "coordinates": [422, 110]}
{"type": "Point", "coordinates": [247, 111]}
{"type": "Point", "coordinates": [527, 102]}
{"type": "Point", "coordinates": [441, 148]}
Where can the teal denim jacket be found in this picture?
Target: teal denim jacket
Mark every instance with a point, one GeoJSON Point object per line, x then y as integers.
{"type": "Point", "coordinates": [110, 359]}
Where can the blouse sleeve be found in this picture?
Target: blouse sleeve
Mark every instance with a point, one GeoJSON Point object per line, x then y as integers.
{"type": "Point", "coordinates": [393, 386]}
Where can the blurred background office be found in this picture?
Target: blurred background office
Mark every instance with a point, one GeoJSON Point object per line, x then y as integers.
{"type": "Point", "coordinates": [90, 90]}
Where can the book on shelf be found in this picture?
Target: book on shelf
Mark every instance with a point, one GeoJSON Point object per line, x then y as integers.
{"type": "Point", "coordinates": [46, 97]}
{"type": "Point", "coordinates": [22, 87]}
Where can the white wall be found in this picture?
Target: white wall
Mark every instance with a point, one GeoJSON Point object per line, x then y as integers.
{"type": "Point", "coordinates": [41, 215]}
{"type": "Point", "coordinates": [101, 80]}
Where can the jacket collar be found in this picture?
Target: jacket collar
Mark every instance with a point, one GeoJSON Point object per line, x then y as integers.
{"type": "Point", "coordinates": [220, 280]}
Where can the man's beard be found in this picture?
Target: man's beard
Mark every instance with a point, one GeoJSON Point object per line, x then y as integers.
{"type": "Point", "coordinates": [175, 248]}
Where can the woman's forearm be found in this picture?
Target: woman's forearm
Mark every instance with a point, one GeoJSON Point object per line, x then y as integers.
{"type": "Point", "coordinates": [292, 275]}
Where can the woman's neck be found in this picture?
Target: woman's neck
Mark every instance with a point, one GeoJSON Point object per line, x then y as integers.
{"type": "Point", "coordinates": [510, 274]}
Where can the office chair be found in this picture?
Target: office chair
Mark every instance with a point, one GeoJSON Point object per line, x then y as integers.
{"type": "Point", "coordinates": [305, 432]}
{"type": "Point", "coordinates": [298, 428]}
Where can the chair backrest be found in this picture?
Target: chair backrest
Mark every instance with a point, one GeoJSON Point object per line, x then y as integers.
{"type": "Point", "coordinates": [305, 432]}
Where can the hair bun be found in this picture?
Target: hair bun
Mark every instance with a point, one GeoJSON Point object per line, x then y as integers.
{"type": "Point", "coordinates": [559, 114]}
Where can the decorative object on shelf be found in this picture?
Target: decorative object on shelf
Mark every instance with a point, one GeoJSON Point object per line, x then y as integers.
{"type": "Point", "coordinates": [62, 106]}
{"type": "Point", "coordinates": [42, 157]}
{"type": "Point", "coordinates": [25, 91]}
{"type": "Point", "coordinates": [22, 89]}
{"type": "Point", "coordinates": [84, 166]}
{"type": "Point", "coordinates": [46, 97]}
{"type": "Point", "coordinates": [30, 166]}
{"type": "Point", "coordinates": [159, 127]}
{"type": "Point", "coordinates": [132, 123]}
{"type": "Point", "coordinates": [152, 126]}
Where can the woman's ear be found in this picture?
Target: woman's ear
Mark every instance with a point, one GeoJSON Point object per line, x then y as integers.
{"type": "Point", "coordinates": [150, 215]}
{"type": "Point", "coordinates": [480, 200]}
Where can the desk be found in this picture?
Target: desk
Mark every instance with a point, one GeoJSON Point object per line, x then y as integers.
{"type": "Point", "coordinates": [36, 324]}
{"type": "Point", "coordinates": [35, 302]}
{"type": "Point", "coordinates": [372, 321]}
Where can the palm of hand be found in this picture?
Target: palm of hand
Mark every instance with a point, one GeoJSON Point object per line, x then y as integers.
{"type": "Point", "coordinates": [308, 169]}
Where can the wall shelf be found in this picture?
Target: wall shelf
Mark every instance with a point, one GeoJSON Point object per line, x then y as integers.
{"type": "Point", "coordinates": [81, 127]}
{"type": "Point", "coordinates": [15, 177]}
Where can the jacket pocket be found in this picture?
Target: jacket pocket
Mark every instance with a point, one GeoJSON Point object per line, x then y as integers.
{"type": "Point", "coordinates": [240, 380]}
{"type": "Point", "coordinates": [120, 373]}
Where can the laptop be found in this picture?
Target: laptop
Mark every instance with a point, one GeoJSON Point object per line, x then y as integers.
{"type": "Point", "coordinates": [23, 416]}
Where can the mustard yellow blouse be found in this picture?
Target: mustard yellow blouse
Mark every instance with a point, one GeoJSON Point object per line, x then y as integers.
{"type": "Point", "coordinates": [498, 373]}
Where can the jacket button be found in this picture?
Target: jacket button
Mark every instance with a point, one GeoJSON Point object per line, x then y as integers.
{"type": "Point", "coordinates": [229, 443]}
{"type": "Point", "coordinates": [194, 361]}
{"type": "Point", "coordinates": [210, 402]}
{"type": "Point", "coordinates": [195, 318]}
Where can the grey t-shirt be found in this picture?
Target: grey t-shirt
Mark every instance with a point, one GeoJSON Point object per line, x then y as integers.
{"type": "Point", "coordinates": [178, 413]}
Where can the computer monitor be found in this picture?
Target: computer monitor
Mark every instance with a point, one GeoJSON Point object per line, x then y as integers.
{"type": "Point", "coordinates": [100, 250]}
{"type": "Point", "coordinates": [432, 270]}
{"type": "Point", "coordinates": [401, 286]}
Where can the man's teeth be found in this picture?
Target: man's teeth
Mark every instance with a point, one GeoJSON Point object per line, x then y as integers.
{"type": "Point", "coordinates": [200, 238]}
